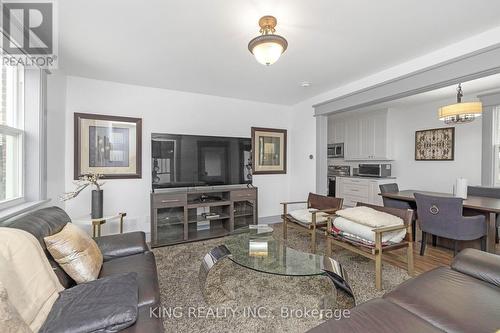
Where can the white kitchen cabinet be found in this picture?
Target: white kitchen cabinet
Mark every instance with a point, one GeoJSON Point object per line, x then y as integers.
{"type": "Point", "coordinates": [336, 130]}
{"type": "Point", "coordinates": [352, 143]}
{"type": "Point", "coordinates": [366, 137]}
{"type": "Point", "coordinates": [359, 189]}
{"type": "Point", "coordinates": [381, 145]}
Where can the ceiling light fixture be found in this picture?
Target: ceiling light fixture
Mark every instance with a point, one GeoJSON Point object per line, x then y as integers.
{"type": "Point", "coordinates": [460, 112]}
{"type": "Point", "coordinates": [268, 47]}
{"type": "Point", "coordinates": [305, 84]}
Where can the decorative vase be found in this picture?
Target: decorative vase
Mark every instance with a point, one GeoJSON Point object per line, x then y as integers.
{"type": "Point", "coordinates": [97, 203]}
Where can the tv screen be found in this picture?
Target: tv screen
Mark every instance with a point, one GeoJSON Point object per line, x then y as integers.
{"type": "Point", "coordinates": [191, 160]}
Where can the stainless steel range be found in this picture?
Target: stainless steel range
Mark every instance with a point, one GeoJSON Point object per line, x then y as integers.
{"type": "Point", "coordinates": [333, 172]}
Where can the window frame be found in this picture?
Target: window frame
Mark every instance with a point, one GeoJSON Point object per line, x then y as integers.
{"type": "Point", "coordinates": [17, 130]}
{"type": "Point", "coordinates": [496, 146]}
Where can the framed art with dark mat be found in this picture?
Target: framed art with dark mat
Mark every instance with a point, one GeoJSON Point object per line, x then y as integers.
{"type": "Point", "coordinates": [269, 151]}
{"type": "Point", "coordinates": [436, 144]}
{"type": "Point", "coordinates": [107, 145]}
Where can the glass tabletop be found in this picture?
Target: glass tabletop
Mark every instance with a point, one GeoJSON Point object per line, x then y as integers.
{"type": "Point", "coordinates": [254, 247]}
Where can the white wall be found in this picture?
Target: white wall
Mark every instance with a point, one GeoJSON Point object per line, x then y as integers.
{"type": "Point", "coordinates": [433, 175]}
{"type": "Point", "coordinates": [437, 176]}
{"type": "Point", "coordinates": [303, 142]}
{"type": "Point", "coordinates": [166, 111]}
{"type": "Point", "coordinates": [56, 112]}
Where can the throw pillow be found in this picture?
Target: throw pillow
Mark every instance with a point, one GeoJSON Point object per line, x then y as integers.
{"type": "Point", "coordinates": [104, 305]}
{"type": "Point", "coordinates": [27, 276]}
{"type": "Point", "coordinates": [76, 253]}
{"type": "Point", "coordinates": [10, 319]}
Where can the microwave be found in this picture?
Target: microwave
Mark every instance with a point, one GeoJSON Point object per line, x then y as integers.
{"type": "Point", "coordinates": [374, 170]}
{"type": "Point", "coordinates": [336, 150]}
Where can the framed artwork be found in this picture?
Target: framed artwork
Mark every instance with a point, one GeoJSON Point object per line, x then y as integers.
{"type": "Point", "coordinates": [108, 145]}
{"type": "Point", "coordinates": [268, 150]}
{"type": "Point", "coordinates": [436, 144]}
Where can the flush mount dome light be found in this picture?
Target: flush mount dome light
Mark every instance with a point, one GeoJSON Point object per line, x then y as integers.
{"type": "Point", "coordinates": [268, 47]}
{"type": "Point", "coordinates": [460, 112]}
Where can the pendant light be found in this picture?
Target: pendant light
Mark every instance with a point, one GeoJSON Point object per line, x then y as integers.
{"type": "Point", "coordinates": [268, 47]}
{"type": "Point", "coordinates": [460, 112]}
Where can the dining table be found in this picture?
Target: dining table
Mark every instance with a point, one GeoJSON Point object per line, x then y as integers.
{"type": "Point", "coordinates": [489, 207]}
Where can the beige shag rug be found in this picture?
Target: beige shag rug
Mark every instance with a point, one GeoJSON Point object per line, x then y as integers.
{"type": "Point", "coordinates": [238, 299]}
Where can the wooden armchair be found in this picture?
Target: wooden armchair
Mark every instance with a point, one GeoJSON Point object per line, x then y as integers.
{"type": "Point", "coordinates": [322, 204]}
{"type": "Point", "coordinates": [375, 252]}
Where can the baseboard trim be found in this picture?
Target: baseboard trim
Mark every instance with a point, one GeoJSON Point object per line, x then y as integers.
{"type": "Point", "coordinates": [270, 219]}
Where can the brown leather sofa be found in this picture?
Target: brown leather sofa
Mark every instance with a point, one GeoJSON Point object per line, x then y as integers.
{"type": "Point", "coordinates": [122, 253]}
{"type": "Point", "coordinates": [462, 298]}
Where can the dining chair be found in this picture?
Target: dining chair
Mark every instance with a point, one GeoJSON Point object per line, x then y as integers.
{"type": "Point", "coordinates": [443, 217]}
{"type": "Point", "coordinates": [320, 204]}
{"type": "Point", "coordinates": [400, 204]}
{"type": "Point", "coordinates": [489, 192]}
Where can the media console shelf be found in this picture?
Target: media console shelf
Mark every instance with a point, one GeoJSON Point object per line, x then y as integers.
{"type": "Point", "coordinates": [186, 215]}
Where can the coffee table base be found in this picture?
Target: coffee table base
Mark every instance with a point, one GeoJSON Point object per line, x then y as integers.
{"type": "Point", "coordinates": [331, 267]}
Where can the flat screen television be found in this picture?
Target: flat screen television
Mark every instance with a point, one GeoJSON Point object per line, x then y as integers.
{"type": "Point", "coordinates": [192, 160]}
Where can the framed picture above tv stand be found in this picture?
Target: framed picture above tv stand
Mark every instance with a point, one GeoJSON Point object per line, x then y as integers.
{"type": "Point", "coordinates": [181, 215]}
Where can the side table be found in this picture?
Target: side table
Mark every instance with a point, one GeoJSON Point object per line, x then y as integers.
{"type": "Point", "coordinates": [96, 223]}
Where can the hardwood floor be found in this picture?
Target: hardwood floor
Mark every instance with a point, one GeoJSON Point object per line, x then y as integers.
{"type": "Point", "coordinates": [434, 257]}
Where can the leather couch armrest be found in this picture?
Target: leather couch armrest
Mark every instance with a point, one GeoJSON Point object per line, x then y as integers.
{"type": "Point", "coordinates": [122, 245]}
{"type": "Point", "coordinates": [480, 265]}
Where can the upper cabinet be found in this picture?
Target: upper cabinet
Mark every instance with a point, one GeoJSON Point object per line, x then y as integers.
{"type": "Point", "coordinates": [365, 136]}
{"type": "Point", "coordinates": [336, 130]}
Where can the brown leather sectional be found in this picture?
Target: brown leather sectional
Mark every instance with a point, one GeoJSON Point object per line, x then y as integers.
{"type": "Point", "coordinates": [462, 298]}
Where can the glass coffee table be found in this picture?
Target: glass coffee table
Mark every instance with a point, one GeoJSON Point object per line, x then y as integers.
{"type": "Point", "coordinates": [255, 248]}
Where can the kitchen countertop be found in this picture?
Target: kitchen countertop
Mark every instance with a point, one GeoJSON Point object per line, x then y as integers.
{"type": "Point", "coordinates": [365, 177]}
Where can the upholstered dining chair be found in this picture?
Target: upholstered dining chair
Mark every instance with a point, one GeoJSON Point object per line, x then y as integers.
{"type": "Point", "coordinates": [400, 204]}
{"type": "Point", "coordinates": [320, 206]}
{"type": "Point", "coordinates": [443, 217]}
{"type": "Point", "coordinates": [489, 192]}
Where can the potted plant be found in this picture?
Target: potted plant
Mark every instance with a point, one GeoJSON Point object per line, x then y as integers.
{"type": "Point", "coordinates": [97, 194]}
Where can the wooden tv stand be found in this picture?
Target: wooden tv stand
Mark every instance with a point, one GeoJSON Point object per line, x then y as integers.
{"type": "Point", "coordinates": [177, 215]}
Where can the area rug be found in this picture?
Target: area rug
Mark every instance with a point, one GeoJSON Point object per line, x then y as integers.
{"type": "Point", "coordinates": [241, 300]}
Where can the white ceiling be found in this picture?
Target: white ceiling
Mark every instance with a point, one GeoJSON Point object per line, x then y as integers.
{"type": "Point", "coordinates": [201, 46]}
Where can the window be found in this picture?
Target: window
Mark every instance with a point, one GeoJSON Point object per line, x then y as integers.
{"type": "Point", "coordinates": [11, 135]}
{"type": "Point", "coordinates": [496, 145]}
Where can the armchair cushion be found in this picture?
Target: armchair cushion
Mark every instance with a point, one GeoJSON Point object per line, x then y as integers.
{"type": "Point", "coordinates": [480, 265]}
{"type": "Point", "coordinates": [305, 215]}
{"type": "Point", "coordinates": [122, 245]}
{"type": "Point", "coordinates": [366, 233]}
{"type": "Point", "coordinates": [104, 305]}
{"type": "Point", "coordinates": [370, 217]}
